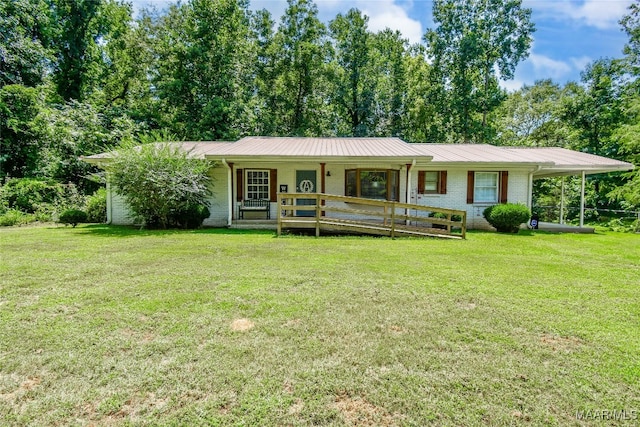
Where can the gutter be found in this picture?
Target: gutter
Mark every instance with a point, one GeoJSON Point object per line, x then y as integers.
{"type": "Point", "coordinates": [229, 192]}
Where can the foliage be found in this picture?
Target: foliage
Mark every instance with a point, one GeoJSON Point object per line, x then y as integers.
{"type": "Point", "coordinates": [28, 194]}
{"type": "Point", "coordinates": [475, 44]}
{"type": "Point", "coordinates": [631, 25]}
{"type": "Point", "coordinates": [19, 130]}
{"type": "Point", "coordinates": [96, 206]}
{"type": "Point", "coordinates": [507, 217]}
{"type": "Point", "coordinates": [73, 217]}
{"type": "Point", "coordinates": [159, 182]}
{"type": "Point", "coordinates": [13, 217]}
{"type": "Point", "coordinates": [530, 116]}
{"type": "Point", "coordinates": [24, 39]}
{"type": "Point", "coordinates": [191, 216]}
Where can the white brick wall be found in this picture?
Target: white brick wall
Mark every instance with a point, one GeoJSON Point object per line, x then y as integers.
{"type": "Point", "coordinates": [456, 197]}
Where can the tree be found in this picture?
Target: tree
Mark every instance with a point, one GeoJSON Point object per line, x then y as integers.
{"type": "Point", "coordinates": [201, 50]}
{"type": "Point", "coordinates": [531, 117]}
{"type": "Point", "coordinates": [631, 25]}
{"type": "Point", "coordinates": [302, 51]}
{"type": "Point", "coordinates": [354, 78]}
{"type": "Point", "coordinates": [476, 43]}
{"type": "Point", "coordinates": [19, 131]}
{"type": "Point", "coordinates": [390, 62]}
{"type": "Point", "coordinates": [25, 33]}
{"type": "Point", "coordinates": [160, 182]}
{"type": "Point", "coordinates": [595, 109]}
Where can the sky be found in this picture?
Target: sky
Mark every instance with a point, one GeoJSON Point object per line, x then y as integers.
{"type": "Point", "coordinates": [569, 33]}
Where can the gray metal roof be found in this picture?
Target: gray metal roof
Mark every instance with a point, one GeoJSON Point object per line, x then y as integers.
{"type": "Point", "coordinates": [547, 161]}
{"type": "Point", "coordinates": [568, 162]}
{"type": "Point", "coordinates": [320, 148]}
{"type": "Point", "coordinates": [472, 153]}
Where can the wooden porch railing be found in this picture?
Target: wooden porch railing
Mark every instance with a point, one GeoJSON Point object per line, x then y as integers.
{"type": "Point", "coordinates": [332, 212]}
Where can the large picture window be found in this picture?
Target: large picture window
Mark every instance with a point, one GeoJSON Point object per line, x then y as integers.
{"type": "Point", "coordinates": [486, 187]}
{"type": "Point", "coordinates": [383, 184]}
{"type": "Point", "coordinates": [257, 184]}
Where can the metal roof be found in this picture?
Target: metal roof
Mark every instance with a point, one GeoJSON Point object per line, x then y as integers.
{"type": "Point", "coordinates": [264, 146]}
{"type": "Point", "coordinates": [472, 153]}
{"type": "Point", "coordinates": [548, 161]}
{"type": "Point", "coordinates": [568, 162]}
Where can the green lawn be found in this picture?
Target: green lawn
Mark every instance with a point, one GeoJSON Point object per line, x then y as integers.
{"type": "Point", "coordinates": [106, 325]}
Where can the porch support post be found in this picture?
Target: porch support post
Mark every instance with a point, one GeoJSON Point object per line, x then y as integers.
{"type": "Point", "coordinates": [562, 200]}
{"type": "Point", "coordinates": [230, 188]}
{"type": "Point", "coordinates": [582, 200]}
{"type": "Point", "coordinates": [408, 195]}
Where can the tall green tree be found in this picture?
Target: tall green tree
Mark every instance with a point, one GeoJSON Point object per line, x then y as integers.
{"type": "Point", "coordinates": [302, 51]}
{"type": "Point", "coordinates": [25, 37]}
{"type": "Point", "coordinates": [354, 77]}
{"type": "Point", "coordinates": [531, 116]}
{"type": "Point", "coordinates": [20, 133]}
{"type": "Point", "coordinates": [595, 109]}
{"type": "Point", "coordinates": [391, 82]}
{"type": "Point", "coordinates": [631, 25]}
{"type": "Point", "coordinates": [86, 32]}
{"type": "Point", "coordinates": [475, 44]}
{"type": "Point", "coordinates": [200, 48]}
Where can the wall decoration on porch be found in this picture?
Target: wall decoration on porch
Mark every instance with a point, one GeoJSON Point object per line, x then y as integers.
{"type": "Point", "coordinates": [284, 188]}
{"type": "Point", "coordinates": [306, 186]}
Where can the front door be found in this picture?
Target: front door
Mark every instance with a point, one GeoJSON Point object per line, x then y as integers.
{"type": "Point", "coordinates": [306, 183]}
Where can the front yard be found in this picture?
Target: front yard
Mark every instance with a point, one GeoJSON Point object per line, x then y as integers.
{"type": "Point", "coordinates": [109, 325]}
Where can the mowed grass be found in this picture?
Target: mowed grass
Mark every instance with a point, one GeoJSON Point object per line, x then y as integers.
{"type": "Point", "coordinates": [104, 325]}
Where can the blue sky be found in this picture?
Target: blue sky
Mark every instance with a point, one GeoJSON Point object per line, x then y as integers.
{"type": "Point", "coordinates": [569, 33]}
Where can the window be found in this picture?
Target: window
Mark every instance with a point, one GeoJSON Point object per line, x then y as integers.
{"type": "Point", "coordinates": [257, 182]}
{"type": "Point", "coordinates": [432, 182]}
{"type": "Point", "coordinates": [485, 189]}
{"type": "Point", "coordinates": [373, 184]}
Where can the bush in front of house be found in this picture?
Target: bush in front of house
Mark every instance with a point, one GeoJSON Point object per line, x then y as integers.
{"type": "Point", "coordinates": [507, 217]}
{"type": "Point", "coordinates": [72, 217]}
{"type": "Point", "coordinates": [158, 180]}
{"type": "Point", "coordinates": [191, 216]}
{"type": "Point", "coordinates": [96, 206]}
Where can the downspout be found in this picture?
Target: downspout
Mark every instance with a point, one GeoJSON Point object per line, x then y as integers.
{"type": "Point", "coordinates": [409, 167]}
{"type": "Point", "coordinates": [229, 192]}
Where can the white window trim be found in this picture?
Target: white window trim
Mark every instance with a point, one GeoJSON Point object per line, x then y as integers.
{"type": "Point", "coordinates": [267, 173]}
{"type": "Point", "coordinates": [476, 199]}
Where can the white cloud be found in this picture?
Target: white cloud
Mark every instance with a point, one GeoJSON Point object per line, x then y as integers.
{"type": "Point", "coordinates": [549, 67]}
{"type": "Point", "coordinates": [512, 85]}
{"type": "Point", "coordinates": [595, 13]}
{"type": "Point", "coordinates": [386, 14]}
{"type": "Point", "coordinates": [581, 62]}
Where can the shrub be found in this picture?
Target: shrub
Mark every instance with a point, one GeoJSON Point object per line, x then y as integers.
{"type": "Point", "coordinates": [14, 217]}
{"type": "Point", "coordinates": [73, 217]}
{"type": "Point", "coordinates": [158, 180]}
{"type": "Point", "coordinates": [96, 206]}
{"type": "Point", "coordinates": [192, 216]}
{"type": "Point", "coordinates": [28, 194]}
{"type": "Point", "coordinates": [506, 218]}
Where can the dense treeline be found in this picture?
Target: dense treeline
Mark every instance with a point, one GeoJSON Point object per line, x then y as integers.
{"type": "Point", "coordinates": [78, 76]}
